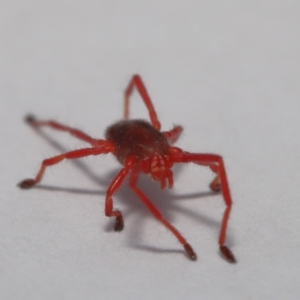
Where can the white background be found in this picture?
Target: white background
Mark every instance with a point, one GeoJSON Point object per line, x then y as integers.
{"type": "Point", "coordinates": [228, 71]}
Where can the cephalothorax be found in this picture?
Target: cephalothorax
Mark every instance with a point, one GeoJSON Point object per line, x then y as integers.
{"type": "Point", "coordinates": [141, 147]}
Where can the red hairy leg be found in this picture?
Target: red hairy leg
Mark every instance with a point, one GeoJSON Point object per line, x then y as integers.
{"type": "Point", "coordinates": [137, 82]}
{"type": "Point", "coordinates": [28, 183]}
{"type": "Point", "coordinates": [215, 162]}
{"type": "Point", "coordinates": [114, 186]}
{"type": "Point", "coordinates": [215, 185]}
{"type": "Point", "coordinates": [58, 126]}
{"type": "Point", "coordinates": [173, 134]}
{"type": "Point", "coordinates": [158, 215]}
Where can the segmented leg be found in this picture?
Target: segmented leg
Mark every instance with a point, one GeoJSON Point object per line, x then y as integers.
{"type": "Point", "coordinates": [137, 82]}
{"type": "Point", "coordinates": [114, 186]}
{"type": "Point", "coordinates": [215, 162]}
{"type": "Point", "coordinates": [173, 134]}
{"type": "Point", "coordinates": [215, 185]}
{"type": "Point", "coordinates": [28, 183]}
{"type": "Point", "coordinates": [158, 215]}
{"type": "Point", "coordinates": [58, 126]}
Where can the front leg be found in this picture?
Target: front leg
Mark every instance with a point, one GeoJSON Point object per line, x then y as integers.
{"type": "Point", "coordinates": [156, 213]}
{"type": "Point", "coordinates": [114, 186]}
{"type": "Point", "coordinates": [216, 164]}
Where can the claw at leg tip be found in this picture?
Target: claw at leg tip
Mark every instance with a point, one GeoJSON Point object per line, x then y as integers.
{"type": "Point", "coordinates": [29, 118]}
{"type": "Point", "coordinates": [227, 254]}
{"type": "Point", "coordinates": [215, 187]}
{"type": "Point", "coordinates": [189, 250]}
{"type": "Point", "coordinates": [119, 225]}
{"type": "Point", "coordinates": [26, 184]}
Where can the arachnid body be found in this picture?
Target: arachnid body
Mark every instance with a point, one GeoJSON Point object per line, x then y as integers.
{"type": "Point", "coordinates": [141, 147]}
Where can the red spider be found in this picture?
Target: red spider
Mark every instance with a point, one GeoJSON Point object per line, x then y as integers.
{"type": "Point", "coordinates": [141, 147]}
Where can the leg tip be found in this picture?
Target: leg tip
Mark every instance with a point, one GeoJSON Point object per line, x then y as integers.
{"type": "Point", "coordinates": [227, 254]}
{"type": "Point", "coordinates": [215, 187]}
{"type": "Point", "coordinates": [190, 252]}
{"type": "Point", "coordinates": [27, 183]}
{"type": "Point", "coordinates": [119, 225]}
{"type": "Point", "coordinates": [30, 119]}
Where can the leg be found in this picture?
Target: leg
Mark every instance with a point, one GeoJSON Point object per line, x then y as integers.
{"type": "Point", "coordinates": [215, 162]}
{"type": "Point", "coordinates": [160, 218]}
{"type": "Point", "coordinates": [73, 131]}
{"type": "Point", "coordinates": [28, 183]}
{"type": "Point", "coordinates": [173, 134]}
{"type": "Point", "coordinates": [114, 186]}
{"type": "Point", "coordinates": [137, 82]}
{"type": "Point", "coordinates": [215, 185]}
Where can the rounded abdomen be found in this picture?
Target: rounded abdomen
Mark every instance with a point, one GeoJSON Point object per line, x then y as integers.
{"type": "Point", "coordinates": [136, 138]}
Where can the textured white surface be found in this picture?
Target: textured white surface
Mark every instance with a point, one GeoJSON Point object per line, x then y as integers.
{"type": "Point", "coordinates": [228, 71]}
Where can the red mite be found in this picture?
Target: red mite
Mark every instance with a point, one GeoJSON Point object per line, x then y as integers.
{"type": "Point", "coordinates": [141, 147]}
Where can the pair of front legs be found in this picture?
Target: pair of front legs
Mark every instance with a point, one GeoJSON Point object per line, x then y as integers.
{"type": "Point", "coordinates": [110, 212]}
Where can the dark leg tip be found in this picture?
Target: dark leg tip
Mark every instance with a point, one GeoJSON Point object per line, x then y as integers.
{"type": "Point", "coordinates": [190, 252]}
{"type": "Point", "coordinates": [215, 187]}
{"type": "Point", "coordinates": [119, 225]}
{"type": "Point", "coordinates": [27, 183]}
{"type": "Point", "coordinates": [30, 119]}
{"type": "Point", "coordinates": [227, 254]}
